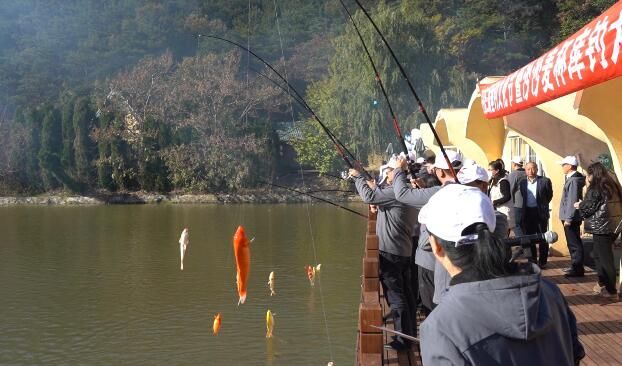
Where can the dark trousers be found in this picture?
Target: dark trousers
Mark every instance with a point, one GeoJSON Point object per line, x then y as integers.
{"type": "Point", "coordinates": [394, 272]}
{"type": "Point", "coordinates": [426, 290]}
{"type": "Point", "coordinates": [414, 289]}
{"type": "Point", "coordinates": [603, 257]}
{"type": "Point", "coordinates": [518, 221]}
{"type": "Point", "coordinates": [533, 224]}
{"type": "Point", "coordinates": [575, 245]}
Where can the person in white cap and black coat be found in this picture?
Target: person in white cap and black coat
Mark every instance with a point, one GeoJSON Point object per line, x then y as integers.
{"type": "Point", "coordinates": [495, 312]}
{"type": "Point", "coordinates": [570, 216]}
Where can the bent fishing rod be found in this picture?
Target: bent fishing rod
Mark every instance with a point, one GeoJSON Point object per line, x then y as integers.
{"type": "Point", "coordinates": [412, 90]}
{"type": "Point", "coordinates": [396, 126]}
{"type": "Point", "coordinates": [338, 144]}
{"type": "Point", "coordinates": [315, 197]}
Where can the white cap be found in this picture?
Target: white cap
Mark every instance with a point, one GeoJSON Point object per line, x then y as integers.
{"type": "Point", "coordinates": [471, 172]}
{"type": "Point", "coordinates": [570, 160]}
{"type": "Point", "coordinates": [384, 170]}
{"type": "Point", "coordinates": [453, 156]}
{"type": "Point", "coordinates": [453, 209]}
{"type": "Point", "coordinates": [517, 160]}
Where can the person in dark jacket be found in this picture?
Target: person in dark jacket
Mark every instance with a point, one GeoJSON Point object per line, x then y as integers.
{"type": "Point", "coordinates": [495, 312]}
{"type": "Point", "coordinates": [515, 177]}
{"type": "Point", "coordinates": [417, 198]}
{"type": "Point", "coordinates": [394, 225]}
{"type": "Point", "coordinates": [602, 212]}
{"type": "Point", "coordinates": [572, 192]}
{"type": "Point", "coordinates": [537, 193]}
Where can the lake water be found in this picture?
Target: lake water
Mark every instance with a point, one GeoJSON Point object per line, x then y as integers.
{"type": "Point", "coordinates": [102, 285]}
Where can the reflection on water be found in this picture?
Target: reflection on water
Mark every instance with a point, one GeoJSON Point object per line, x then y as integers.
{"type": "Point", "coordinates": [102, 285]}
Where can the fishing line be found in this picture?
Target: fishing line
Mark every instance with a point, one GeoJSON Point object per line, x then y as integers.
{"type": "Point", "coordinates": [248, 57]}
{"type": "Point", "coordinates": [330, 348]}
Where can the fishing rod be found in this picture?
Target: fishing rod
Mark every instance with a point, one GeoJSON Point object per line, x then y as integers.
{"type": "Point", "coordinates": [338, 144]}
{"type": "Point", "coordinates": [396, 126]}
{"type": "Point", "coordinates": [312, 196]}
{"type": "Point", "coordinates": [412, 89]}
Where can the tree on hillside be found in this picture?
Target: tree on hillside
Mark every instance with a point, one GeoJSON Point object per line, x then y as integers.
{"type": "Point", "coordinates": [83, 117]}
{"type": "Point", "coordinates": [350, 102]}
{"type": "Point", "coordinates": [51, 147]}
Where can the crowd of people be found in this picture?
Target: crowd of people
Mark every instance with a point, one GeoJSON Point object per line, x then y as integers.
{"type": "Point", "coordinates": [442, 252]}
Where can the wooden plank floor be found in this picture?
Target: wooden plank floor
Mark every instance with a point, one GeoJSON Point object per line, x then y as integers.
{"type": "Point", "coordinates": [599, 320]}
{"type": "Point", "coordinates": [410, 358]}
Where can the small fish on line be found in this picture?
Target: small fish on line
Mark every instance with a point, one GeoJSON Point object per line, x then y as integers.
{"type": "Point", "coordinates": [217, 321]}
{"type": "Point", "coordinates": [271, 283]}
{"type": "Point", "coordinates": [184, 240]}
{"type": "Point", "coordinates": [242, 253]}
{"type": "Point", "coordinates": [269, 323]}
{"type": "Point", "coordinates": [312, 272]}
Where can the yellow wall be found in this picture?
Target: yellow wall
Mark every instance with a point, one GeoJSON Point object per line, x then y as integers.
{"type": "Point", "coordinates": [601, 105]}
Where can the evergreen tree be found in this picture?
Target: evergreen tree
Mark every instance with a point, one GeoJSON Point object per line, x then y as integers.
{"type": "Point", "coordinates": [68, 155]}
{"type": "Point", "coordinates": [83, 145]}
{"type": "Point", "coordinates": [104, 164]}
{"type": "Point", "coordinates": [51, 146]}
{"type": "Point", "coordinates": [32, 118]}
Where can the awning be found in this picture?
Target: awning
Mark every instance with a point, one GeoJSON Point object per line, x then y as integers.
{"type": "Point", "coordinates": [588, 57]}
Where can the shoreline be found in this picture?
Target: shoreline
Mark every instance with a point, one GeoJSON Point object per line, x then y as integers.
{"type": "Point", "coordinates": [152, 198]}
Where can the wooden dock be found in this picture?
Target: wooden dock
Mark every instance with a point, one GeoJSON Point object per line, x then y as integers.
{"type": "Point", "coordinates": [599, 320]}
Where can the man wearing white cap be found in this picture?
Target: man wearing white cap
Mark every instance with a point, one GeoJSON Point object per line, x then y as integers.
{"type": "Point", "coordinates": [495, 312]}
{"type": "Point", "coordinates": [516, 176]}
{"type": "Point", "coordinates": [417, 198]}
{"type": "Point", "coordinates": [394, 225]}
{"type": "Point", "coordinates": [573, 192]}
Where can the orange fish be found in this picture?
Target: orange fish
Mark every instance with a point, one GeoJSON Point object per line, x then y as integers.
{"type": "Point", "coordinates": [242, 260]}
{"type": "Point", "coordinates": [216, 326]}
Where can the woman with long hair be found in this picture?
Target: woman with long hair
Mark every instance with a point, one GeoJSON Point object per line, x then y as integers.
{"type": "Point", "coordinates": [494, 312]}
{"type": "Point", "coordinates": [499, 191]}
{"type": "Point", "coordinates": [602, 211]}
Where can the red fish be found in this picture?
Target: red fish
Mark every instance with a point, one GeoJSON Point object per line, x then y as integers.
{"type": "Point", "coordinates": [242, 252]}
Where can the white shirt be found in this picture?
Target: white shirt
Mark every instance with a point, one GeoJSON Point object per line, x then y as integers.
{"type": "Point", "coordinates": [532, 193]}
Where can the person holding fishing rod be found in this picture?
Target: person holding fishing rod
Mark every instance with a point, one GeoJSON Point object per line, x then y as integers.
{"type": "Point", "coordinates": [394, 227]}
{"type": "Point", "coordinates": [495, 312]}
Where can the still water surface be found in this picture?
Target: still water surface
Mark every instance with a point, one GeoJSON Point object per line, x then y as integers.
{"type": "Point", "coordinates": [102, 285]}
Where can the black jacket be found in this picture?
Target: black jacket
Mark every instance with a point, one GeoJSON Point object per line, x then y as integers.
{"type": "Point", "coordinates": [544, 195]}
{"type": "Point", "coordinates": [602, 215]}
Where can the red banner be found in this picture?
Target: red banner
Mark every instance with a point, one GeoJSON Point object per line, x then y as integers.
{"type": "Point", "coordinates": [587, 58]}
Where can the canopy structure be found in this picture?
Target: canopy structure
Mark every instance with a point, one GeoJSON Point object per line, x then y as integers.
{"type": "Point", "coordinates": [589, 57]}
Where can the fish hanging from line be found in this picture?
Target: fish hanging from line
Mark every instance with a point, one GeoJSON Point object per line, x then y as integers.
{"type": "Point", "coordinates": [242, 252]}
{"type": "Point", "coordinates": [269, 323]}
{"type": "Point", "coordinates": [271, 283]}
{"type": "Point", "coordinates": [312, 272]}
{"type": "Point", "coordinates": [184, 240]}
{"type": "Point", "coordinates": [217, 321]}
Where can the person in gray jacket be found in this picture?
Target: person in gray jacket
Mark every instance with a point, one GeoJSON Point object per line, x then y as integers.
{"type": "Point", "coordinates": [416, 197]}
{"type": "Point", "coordinates": [394, 225]}
{"type": "Point", "coordinates": [495, 312]}
{"type": "Point", "coordinates": [573, 192]}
